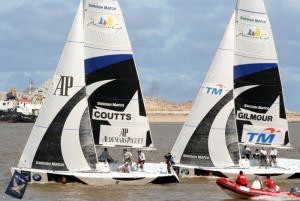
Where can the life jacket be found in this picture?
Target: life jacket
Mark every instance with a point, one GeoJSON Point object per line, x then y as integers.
{"type": "Point", "coordinates": [270, 183]}
{"type": "Point", "coordinates": [242, 180]}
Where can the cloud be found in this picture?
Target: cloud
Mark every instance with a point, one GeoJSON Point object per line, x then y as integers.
{"type": "Point", "coordinates": [173, 40]}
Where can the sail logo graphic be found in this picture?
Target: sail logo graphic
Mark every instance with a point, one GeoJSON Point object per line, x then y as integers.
{"type": "Point", "coordinates": [105, 23]}
{"type": "Point", "coordinates": [100, 7]}
{"type": "Point", "coordinates": [124, 132]}
{"type": "Point", "coordinates": [122, 138]}
{"type": "Point", "coordinates": [216, 90]}
{"type": "Point", "coordinates": [64, 84]}
{"type": "Point", "coordinates": [253, 33]}
{"type": "Point", "coordinates": [256, 20]}
{"type": "Point", "coordinates": [102, 115]}
{"type": "Point", "coordinates": [265, 137]}
{"type": "Point", "coordinates": [254, 117]}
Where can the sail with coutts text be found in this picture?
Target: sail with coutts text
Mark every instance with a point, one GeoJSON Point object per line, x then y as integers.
{"type": "Point", "coordinates": [240, 100]}
{"type": "Point", "coordinates": [95, 97]}
{"type": "Point", "coordinates": [116, 104]}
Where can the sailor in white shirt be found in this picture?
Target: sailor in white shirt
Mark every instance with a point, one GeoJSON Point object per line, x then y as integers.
{"type": "Point", "coordinates": [273, 156]}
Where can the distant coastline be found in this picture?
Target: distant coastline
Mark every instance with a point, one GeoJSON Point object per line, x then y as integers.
{"type": "Point", "coordinates": [175, 116]}
{"type": "Point", "coordinates": [159, 110]}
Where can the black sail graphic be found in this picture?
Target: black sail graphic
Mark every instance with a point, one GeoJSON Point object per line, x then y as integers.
{"type": "Point", "coordinates": [49, 155]}
{"type": "Point", "coordinates": [109, 102]}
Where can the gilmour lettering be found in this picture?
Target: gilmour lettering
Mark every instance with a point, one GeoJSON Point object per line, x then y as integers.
{"type": "Point", "coordinates": [254, 117]}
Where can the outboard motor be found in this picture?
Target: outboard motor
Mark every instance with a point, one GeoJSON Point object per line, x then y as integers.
{"type": "Point", "coordinates": [295, 191]}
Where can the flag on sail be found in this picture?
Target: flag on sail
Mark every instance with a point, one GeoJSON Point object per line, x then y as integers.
{"type": "Point", "coordinates": [17, 185]}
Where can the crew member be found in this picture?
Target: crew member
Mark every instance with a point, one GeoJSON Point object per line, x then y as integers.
{"type": "Point", "coordinates": [241, 179]}
{"type": "Point", "coordinates": [269, 183]}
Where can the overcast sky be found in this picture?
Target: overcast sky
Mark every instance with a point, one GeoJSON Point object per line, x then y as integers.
{"type": "Point", "coordinates": [173, 41]}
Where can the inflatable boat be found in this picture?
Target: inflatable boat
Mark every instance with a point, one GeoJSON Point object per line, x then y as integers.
{"type": "Point", "coordinates": [237, 191]}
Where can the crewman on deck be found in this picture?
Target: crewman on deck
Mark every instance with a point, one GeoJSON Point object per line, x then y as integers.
{"type": "Point", "coordinates": [141, 160]}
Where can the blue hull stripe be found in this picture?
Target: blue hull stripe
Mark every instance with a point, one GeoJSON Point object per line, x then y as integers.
{"type": "Point", "coordinates": [96, 63]}
{"type": "Point", "coordinates": [246, 69]}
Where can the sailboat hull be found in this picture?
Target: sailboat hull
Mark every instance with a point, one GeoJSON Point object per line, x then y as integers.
{"type": "Point", "coordinates": [97, 177]}
{"type": "Point", "coordinates": [287, 169]}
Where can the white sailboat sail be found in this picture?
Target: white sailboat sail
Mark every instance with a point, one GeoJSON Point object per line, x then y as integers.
{"type": "Point", "coordinates": [116, 104]}
{"type": "Point", "coordinates": [261, 117]}
{"type": "Point", "coordinates": [95, 97]}
{"type": "Point", "coordinates": [210, 126]}
{"type": "Point", "coordinates": [241, 98]}
{"type": "Point", "coordinates": [61, 137]}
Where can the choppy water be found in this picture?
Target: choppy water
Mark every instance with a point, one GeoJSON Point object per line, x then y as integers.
{"type": "Point", "coordinates": [14, 136]}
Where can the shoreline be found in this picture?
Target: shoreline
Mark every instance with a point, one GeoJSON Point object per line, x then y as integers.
{"type": "Point", "coordinates": [181, 116]}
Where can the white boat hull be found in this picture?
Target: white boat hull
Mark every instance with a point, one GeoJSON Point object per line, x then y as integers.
{"type": "Point", "coordinates": [100, 178]}
{"type": "Point", "coordinates": [287, 169]}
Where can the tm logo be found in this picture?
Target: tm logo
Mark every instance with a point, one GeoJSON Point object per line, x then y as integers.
{"type": "Point", "coordinates": [218, 90]}
{"type": "Point", "coordinates": [266, 137]}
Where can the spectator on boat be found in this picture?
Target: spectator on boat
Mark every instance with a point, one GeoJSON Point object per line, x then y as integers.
{"type": "Point", "coordinates": [269, 183]}
{"type": "Point", "coordinates": [105, 157]}
{"type": "Point", "coordinates": [273, 156]}
{"type": "Point", "coordinates": [246, 152]}
{"type": "Point", "coordinates": [256, 157]}
{"type": "Point", "coordinates": [141, 160]}
{"type": "Point", "coordinates": [263, 157]}
{"type": "Point", "coordinates": [241, 179]}
{"type": "Point", "coordinates": [169, 161]}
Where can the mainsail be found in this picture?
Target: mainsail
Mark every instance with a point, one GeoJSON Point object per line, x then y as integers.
{"type": "Point", "coordinates": [240, 100]}
{"type": "Point", "coordinates": [116, 104]}
{"type": "Point", "coordinates": [95, 97]}
{"type": "Point", "coordinates": [260, 111]}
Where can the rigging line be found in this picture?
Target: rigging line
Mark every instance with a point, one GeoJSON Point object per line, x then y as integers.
{"type": "Point", "coordinates": [249, 11]}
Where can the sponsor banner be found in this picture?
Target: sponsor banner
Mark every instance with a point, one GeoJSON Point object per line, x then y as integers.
{"type": "Point", "coordinates": [253, 19]}
{"type": "Point", "coordinates": [248, 116]}
{"type": "Point", "coordinates": [263, 135]}
{"type": "Point", "coordinates": [110, 115]}
{"type": "Point", "coordinates": [49, 164]}
{"type": "Point", "coordinates": [252, 32]}
{"type": "Point", "coordinates": [202, 157]}
{"type": "Point", "coordinates": [102, 6]}
{"type": "Point", "coordinates": [122, 136]}
{"type": "Point", "coordinates": [215, 89]}
{"type": "Point", "coordinates": [63, 85]}
{"type": "Point", "coordinates": [104, 23]}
